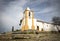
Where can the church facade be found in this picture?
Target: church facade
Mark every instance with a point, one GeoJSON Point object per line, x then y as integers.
{"type": "Point", "coordinates": [30, 23]}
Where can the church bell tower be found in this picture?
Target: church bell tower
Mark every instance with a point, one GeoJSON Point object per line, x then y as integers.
{"type": "Point", "coordinates": [28, 14]}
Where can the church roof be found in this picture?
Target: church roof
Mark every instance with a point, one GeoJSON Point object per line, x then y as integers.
{"type": "Point", "coordinates": [38, 20]}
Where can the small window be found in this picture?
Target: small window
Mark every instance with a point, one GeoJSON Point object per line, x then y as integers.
{"type": "Point", "coordinates": [29, 13]}
{"type": "Point", "coordinates": [47, 25]}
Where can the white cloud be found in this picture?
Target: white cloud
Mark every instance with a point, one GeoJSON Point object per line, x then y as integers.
{"type": "Point", "coordinates": [35, 1]}
{"type": "Point", "coordinates": [47, 10]}
{"type": "Point", "coordinates": [13, 13]}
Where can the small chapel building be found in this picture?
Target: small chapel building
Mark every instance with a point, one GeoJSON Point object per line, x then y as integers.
{"type": "Point", "coordinates": [30, 23]}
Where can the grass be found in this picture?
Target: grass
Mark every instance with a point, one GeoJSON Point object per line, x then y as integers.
{"type": "Point", "coordinates": [41, 36]}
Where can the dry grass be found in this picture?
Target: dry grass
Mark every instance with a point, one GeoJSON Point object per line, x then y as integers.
{"type": "Point", "coordinates": [36, 37]}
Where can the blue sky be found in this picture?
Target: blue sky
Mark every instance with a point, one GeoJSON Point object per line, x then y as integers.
{"type": "Point", "coordinates": [11, 11]}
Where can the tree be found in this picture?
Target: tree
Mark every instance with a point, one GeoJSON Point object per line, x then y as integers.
{"type": "Point", "coordinates": [21, 21]}
{"type": "Point", "coordinates": [56, 22]}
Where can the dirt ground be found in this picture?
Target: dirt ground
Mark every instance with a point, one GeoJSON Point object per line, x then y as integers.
{"type": "Point", "coordinates": [38, 37]}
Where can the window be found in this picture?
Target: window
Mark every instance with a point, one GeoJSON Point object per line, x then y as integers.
{"type": "Point", "coordinates": [29, 13]}
{"type": "Point", "coordinates": [47, 25]}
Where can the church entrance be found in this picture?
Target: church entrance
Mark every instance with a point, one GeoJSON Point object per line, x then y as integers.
{"type": "Point", "coordinates": [37, 27]}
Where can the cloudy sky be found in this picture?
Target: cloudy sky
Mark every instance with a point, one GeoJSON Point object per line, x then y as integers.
{"type": "Point", "coordinates": [11, 11]}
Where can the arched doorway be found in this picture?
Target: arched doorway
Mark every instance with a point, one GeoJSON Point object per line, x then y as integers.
{"type": "Point", "coordinates": [37, 27]}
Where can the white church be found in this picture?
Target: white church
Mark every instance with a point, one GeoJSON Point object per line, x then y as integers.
{"type": "Point", "coordinates": [28, 22]}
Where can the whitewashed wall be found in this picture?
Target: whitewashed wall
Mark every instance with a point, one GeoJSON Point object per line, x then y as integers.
{"type": "Point", "coordinates": [45, 26]}
{"type": "Point", "coordinates": [40, 25]}
{"type": "Point", "coordinates": [49, 27]}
